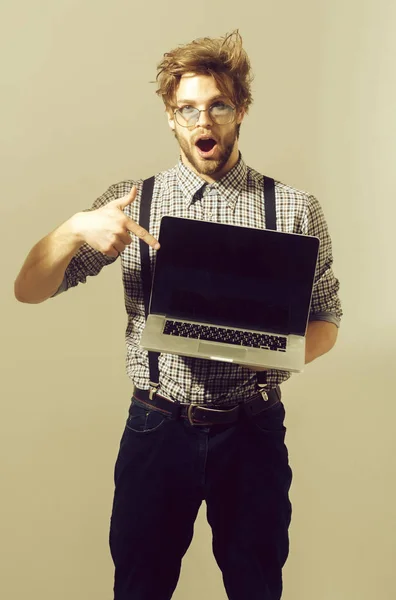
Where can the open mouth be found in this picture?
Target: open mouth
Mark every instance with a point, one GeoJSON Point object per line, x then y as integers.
{"type": "Point", "coordinates": [206, 147]}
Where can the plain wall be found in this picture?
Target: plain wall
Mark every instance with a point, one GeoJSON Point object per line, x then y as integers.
{"type": "Point", "coordinates": [77, 114]}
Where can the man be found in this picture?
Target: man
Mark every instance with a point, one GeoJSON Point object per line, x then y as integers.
{"type": "Point", "coordinates": [168, 464]}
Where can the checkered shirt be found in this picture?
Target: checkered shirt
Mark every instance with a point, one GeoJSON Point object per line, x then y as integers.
{"type": "Point", "coordinates": [236, 199]}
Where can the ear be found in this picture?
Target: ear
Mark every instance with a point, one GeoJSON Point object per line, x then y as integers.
{"type": "Point", "coordinates": [240, 115]}
{"type": "Point", "coordinates": [171, 118]}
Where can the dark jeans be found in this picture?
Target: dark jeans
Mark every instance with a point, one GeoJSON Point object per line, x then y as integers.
{"type": "Point", "coordinates": [166, 467]}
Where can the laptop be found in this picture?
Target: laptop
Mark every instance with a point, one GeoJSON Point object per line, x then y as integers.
{"type": "Point", "coordinates": [230, 293]}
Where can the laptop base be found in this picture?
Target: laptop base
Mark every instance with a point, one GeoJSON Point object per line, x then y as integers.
{"type": "Point", "coordinates": [292, 360]}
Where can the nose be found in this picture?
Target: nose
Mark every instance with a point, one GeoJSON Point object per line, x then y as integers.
{"type": "Point", "coordinates": [204, 119]}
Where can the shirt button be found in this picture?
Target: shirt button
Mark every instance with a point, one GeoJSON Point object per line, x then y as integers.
{"type": "Point", "coordinates": [196, 388]}
{"type": "Point", "coordinates": [210, 214]}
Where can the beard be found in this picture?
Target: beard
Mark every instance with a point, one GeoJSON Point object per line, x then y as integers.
{"type": "Point", "coordinates": [209, 166]}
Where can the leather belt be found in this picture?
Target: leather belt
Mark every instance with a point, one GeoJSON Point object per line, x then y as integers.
{"type": "Point", "coordinates": [197, 414]}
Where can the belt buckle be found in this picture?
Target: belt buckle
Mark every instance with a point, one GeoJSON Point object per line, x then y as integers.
{"type": "Point", "coordinates": [189, 414]}
{"type": "Point", "coordinates": [191, 407]}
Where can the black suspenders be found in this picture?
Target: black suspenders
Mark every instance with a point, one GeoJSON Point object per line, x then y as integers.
{"type": "Point", "coordinates": [144, 221]}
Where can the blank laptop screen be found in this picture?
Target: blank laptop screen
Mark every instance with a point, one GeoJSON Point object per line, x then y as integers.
{"type": "Point", "coordinates": [234, 276]}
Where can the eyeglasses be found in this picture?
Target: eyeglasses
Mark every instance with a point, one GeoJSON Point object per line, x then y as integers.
{"type": "Point", "coordinates": [220, 113]}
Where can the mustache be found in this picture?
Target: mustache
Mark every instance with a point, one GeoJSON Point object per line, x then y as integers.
{"type": "Point", "coordinates": [205, 136]}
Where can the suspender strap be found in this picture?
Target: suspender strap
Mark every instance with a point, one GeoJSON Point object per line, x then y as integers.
{"type": "Point", "coordinates": [269, 200]}
{"type": "Point", "coordinates": [270, 223]}
{"type": "Point", "coordinates": [144, 221]}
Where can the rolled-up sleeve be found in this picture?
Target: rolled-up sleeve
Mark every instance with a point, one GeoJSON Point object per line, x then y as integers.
{"type": "Point", "coordinates": [87, 261]}
{"type": "Point", "coordinates": [326, 304]}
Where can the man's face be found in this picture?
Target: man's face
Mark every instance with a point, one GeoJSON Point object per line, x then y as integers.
{"type": "Point", "coordinates": [201, 91]}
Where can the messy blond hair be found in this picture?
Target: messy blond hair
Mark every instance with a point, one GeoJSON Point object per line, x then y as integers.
{"type": "Point", "coordinates": [223, 58]}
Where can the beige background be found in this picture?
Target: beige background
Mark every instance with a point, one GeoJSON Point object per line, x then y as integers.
{"type": "Point", "coordinates": [77, 114]}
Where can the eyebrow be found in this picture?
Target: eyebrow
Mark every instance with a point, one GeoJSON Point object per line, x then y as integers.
{"type": "Point", "coordinates": [184, 101]}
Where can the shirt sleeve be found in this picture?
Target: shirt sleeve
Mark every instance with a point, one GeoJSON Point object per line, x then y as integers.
{"type": "Point", "coordinates": [325, 304]}
{"type": "Point", "coordinates": [87, 261]}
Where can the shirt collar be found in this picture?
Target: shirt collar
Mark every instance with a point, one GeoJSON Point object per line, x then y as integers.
{"type": "Point", "coordinates": [229, 186]}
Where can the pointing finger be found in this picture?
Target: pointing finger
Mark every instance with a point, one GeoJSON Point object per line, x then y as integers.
{"type": "Point", "coordinates": [143, 234]}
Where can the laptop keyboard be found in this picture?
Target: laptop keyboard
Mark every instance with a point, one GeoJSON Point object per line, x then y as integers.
{"type": "Point", "coordinates": [225, 335]}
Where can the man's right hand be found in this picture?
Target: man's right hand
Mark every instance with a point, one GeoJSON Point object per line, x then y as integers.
{"type": "Point", "coordinates": [108, 229]}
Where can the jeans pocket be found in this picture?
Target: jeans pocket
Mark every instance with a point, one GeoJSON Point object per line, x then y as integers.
{"type": "Point", "coordinates": [271, 420]}
{"type": "Point", "coordinates": [142, 419]}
